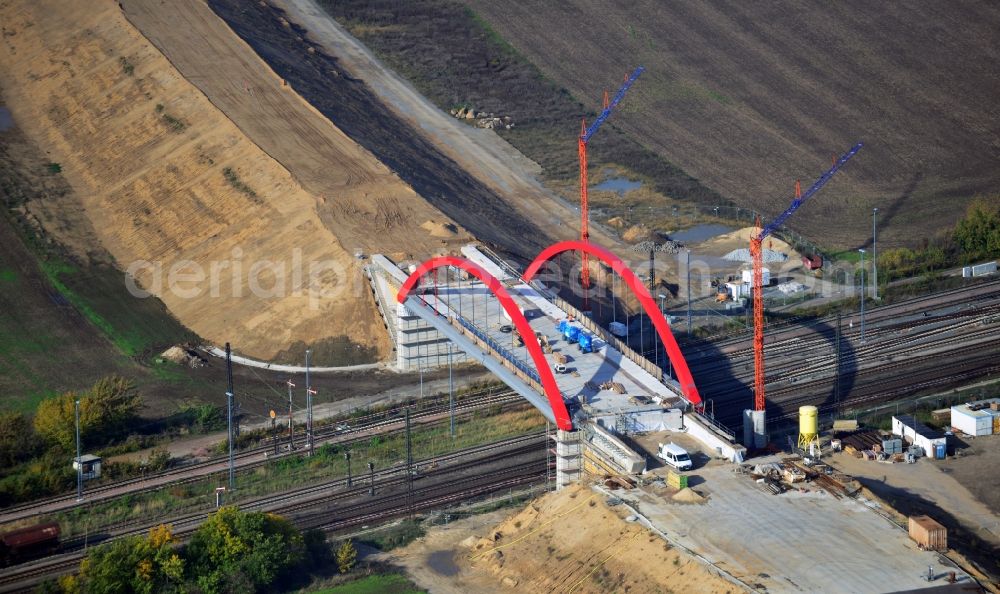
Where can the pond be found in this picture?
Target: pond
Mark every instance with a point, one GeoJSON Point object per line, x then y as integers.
{"type": "Point", "coordinates": [618, 184]}
{"type": "Point", "coordinates": [700, 233]}
{"type": "Point", "coordinates": [6, 121]}
{"type": "Point", "coordinates": [443, 562]}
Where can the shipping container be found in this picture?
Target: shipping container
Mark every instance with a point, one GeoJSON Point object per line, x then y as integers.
{"type": "Point", "coordinates": [812, 262]}
{"type": "Point", "coordinates": [928, 534]}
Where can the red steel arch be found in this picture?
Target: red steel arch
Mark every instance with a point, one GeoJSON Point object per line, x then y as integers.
{"type": "Point", "coordinates": [642, 294]}
{"type": "Point", "coordinates": [552, 392]}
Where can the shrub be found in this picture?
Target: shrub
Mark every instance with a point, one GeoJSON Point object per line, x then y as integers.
{"type": "Point", "coordinates": [235, 181]}
{"type": "Point", "coordinates": [104, 412]}
{"type": "Point", "coordinates": [347, 556]}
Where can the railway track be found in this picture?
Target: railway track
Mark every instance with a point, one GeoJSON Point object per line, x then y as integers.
{"type": "Point", "coordinates": [361, 428]}
{"type": "Point", "coordinates": [804, 326]}
{"type": "Point", "coordinates": [923, 343]}
{"type": "Point", "coordinates": [871, 386]}
{"type": "Point", "coordinates": [449, 478]}
{"type": "Point", "coordinates": [816, 353]}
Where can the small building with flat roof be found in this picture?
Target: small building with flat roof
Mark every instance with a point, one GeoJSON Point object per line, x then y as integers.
{"type": "Point", "coordinates": [977, 418]}
{"type": "Point", "coordinates": [91, 466]}
{"type": "Point", "coordinates": [933, 442]}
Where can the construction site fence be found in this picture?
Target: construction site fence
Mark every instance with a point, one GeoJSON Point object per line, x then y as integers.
{"type": "Point", "coordinates": [743, 217]}
{"type": "Point", "coordinates": [880, 415]}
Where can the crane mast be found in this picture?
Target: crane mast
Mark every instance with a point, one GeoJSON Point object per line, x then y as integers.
{"type": "Point", "coordinates": [757, 256]}
{"type": "Point", "coordinates": [585, 134]}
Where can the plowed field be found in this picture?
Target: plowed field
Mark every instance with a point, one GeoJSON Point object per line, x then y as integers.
{"type": "Point", "coordinates": [748, 97]}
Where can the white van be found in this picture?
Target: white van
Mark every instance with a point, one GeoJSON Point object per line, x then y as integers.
{"type": "Point", "coordinates": [674, 455]}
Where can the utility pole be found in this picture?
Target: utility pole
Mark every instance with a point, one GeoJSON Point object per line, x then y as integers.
{"type": "Point", "coordinates": [836, 377]}
{"type": "Point", "coordinates": [688, 262]}
{"type": "Point", "coordinates": [614, 302]}
{"type": "Point", "coordinates": [451, 393]}
{"type": "Point", "coordinates": [656, 343]}
{"type": "Point", "coordinates": [409, 463]}
{"type": "Point", "coordinates": [347, 456]}
{"type": "Point", "coordinates": [642, 338]}
{"type": "Point", "coordinates": [874, 259]}
{"type": "Point", "coordinates": [291, 438]}
{"type": "Point", "coordinates": [274, 431]}
{"type": "Point", "coordinates": [371, 473]}
{"type": "Point", "coordinates": [862, 250]}
{"type": "Point", "coordinates": [79, 459]}
{"type": "Point", "coordinates": [663, 313]}
{"type": "Point", "coordinates": [309, 405]}
{"type": "Point", "coordinates": [229, 409]}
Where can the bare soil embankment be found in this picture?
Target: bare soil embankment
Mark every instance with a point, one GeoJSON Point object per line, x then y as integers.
{"type": "Point", "coordinates": [566, 541]}
{"type": "Point", "coordinates": [749, 97]}
{"type": "Point", "coordinates": [358, 198]}
{"type": "Point", "coordinates": [354, 108]}
{"type": "Point", "coordinates": [161, 174]}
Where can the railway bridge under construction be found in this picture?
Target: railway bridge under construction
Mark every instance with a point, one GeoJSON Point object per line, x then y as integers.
{"type": "Point", "coordinates": [591, 385]}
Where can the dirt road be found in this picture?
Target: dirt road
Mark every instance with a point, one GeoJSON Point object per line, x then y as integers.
{"type": "Point", "coordinates": [482, 153]}
{"type": "Point", "coordinates": [425, 162]}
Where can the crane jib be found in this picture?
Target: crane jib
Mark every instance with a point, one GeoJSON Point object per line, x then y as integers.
{"type": "Point", "coordinates": [614, 102]}
{"type": "Point", "coordinates": [819, 183]}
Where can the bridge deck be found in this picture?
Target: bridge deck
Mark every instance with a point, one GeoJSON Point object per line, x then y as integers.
{"type": "Point", "coordinates": [470, 305]}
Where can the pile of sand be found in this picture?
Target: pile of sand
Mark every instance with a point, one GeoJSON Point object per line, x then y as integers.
{"type": "Point", "coordinates": [637, 233]}
{"type": "Point", "coordinates": [175, 354]}
{"type": "Point", "coordinates": [727, 242]}
{"type": "Point", "coordinates": [571, 540]}
{"type": "Point", "coordinates": [440, 230]}
{"type": "Point", "coordinates": [616, 222]}
{"type": "Point", "coordinates": [688, 495]}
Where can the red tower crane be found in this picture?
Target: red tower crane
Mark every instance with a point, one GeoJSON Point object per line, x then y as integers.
{"type": "Point", "coordinates": [585, 134]}
{"type": "Point", "coordinates": [756, 253]}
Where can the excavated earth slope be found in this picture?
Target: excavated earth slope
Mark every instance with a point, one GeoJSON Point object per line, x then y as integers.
{"type": "Point", "coordinates": [163, 175]}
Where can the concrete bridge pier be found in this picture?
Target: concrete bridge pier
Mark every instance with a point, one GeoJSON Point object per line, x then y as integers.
{"type": "Point", "coordinates": [569, 457]}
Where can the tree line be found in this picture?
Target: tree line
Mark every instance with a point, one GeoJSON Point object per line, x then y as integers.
{"type": "Point", "coordinates": [232, 551]}
{"type": "Point", "coordinates": [36, 453]}
{"type": "Point", "coordinates": [974, 238]}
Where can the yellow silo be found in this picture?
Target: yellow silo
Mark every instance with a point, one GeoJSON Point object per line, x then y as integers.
{"type": "Point", "coordinates": [808, 425]}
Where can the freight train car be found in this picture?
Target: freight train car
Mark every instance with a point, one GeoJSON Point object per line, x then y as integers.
{"type": "Point", "coordinates": [28, 543]}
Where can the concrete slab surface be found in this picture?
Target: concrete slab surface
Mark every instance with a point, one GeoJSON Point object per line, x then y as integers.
{"type": "Point", "coordinates": [796, 542]}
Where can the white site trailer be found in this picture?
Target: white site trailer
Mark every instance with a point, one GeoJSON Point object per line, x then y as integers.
{"type": "Point", "coordinates": [976, 418]}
